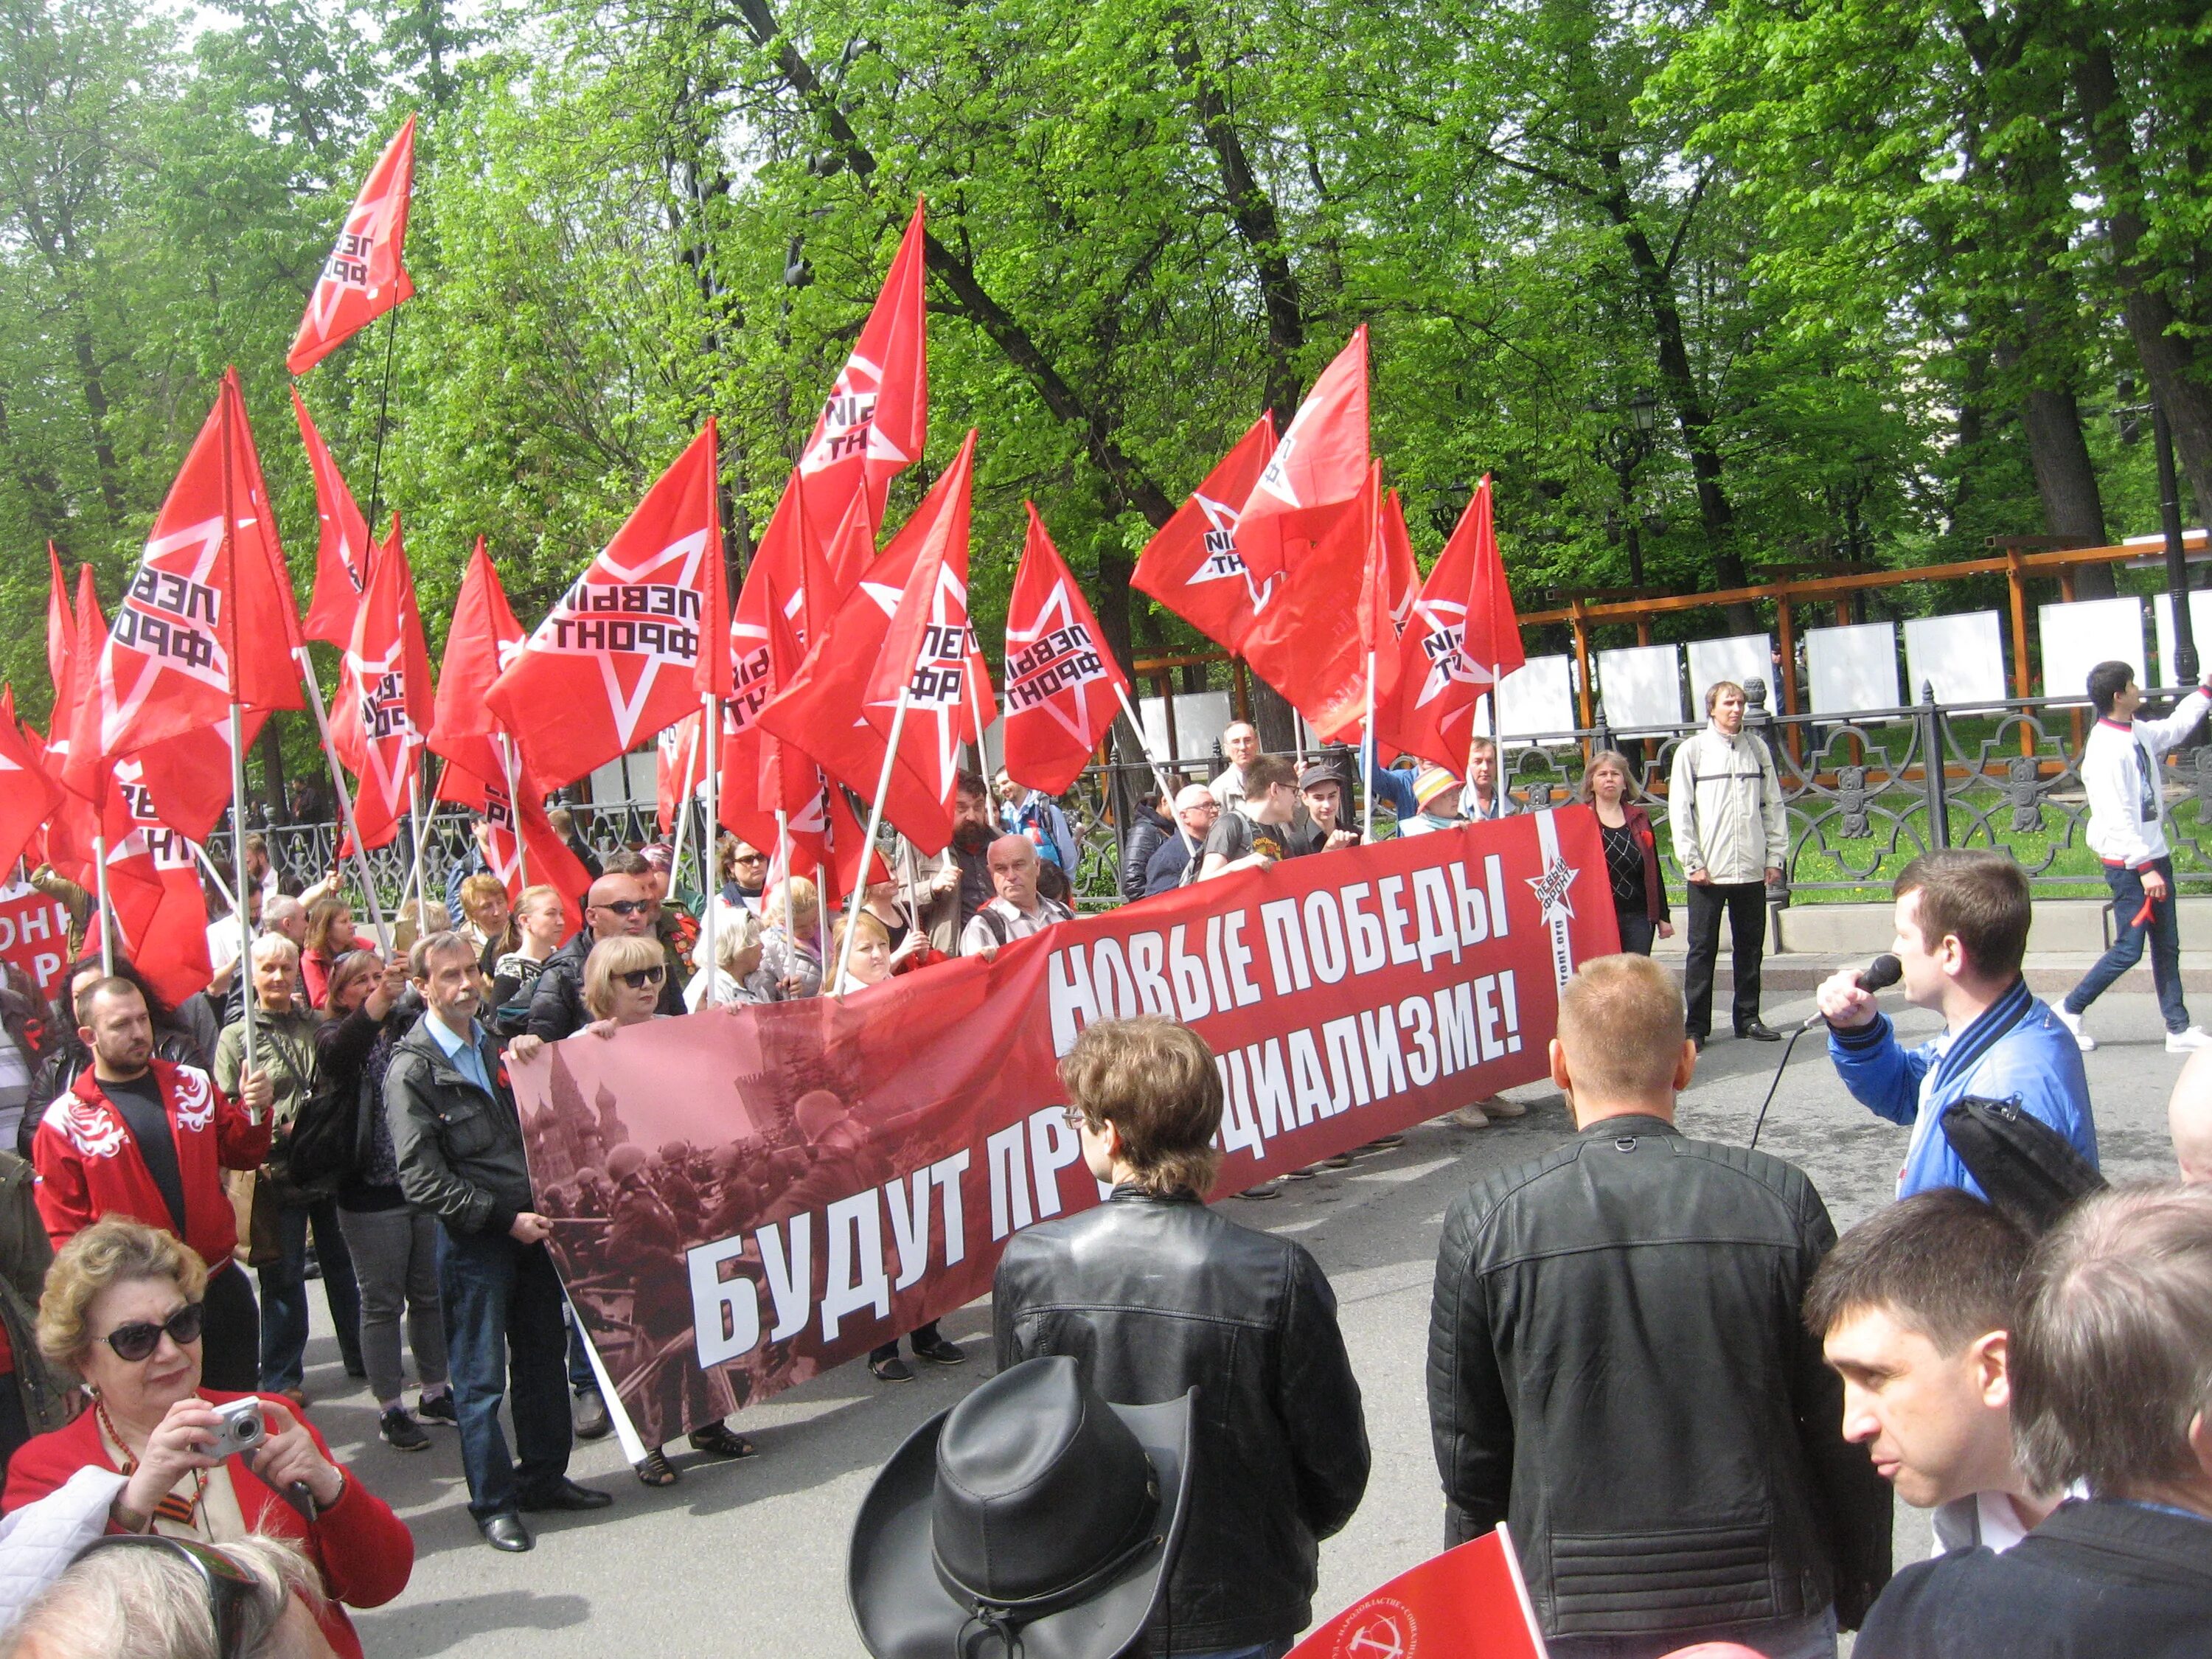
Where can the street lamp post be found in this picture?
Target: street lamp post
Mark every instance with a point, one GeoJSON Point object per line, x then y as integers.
{"type": "Point", "coordinates": [2183, 669]}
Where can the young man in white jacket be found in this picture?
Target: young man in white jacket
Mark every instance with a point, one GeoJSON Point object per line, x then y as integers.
{"type": "Point", "coordinates": [1724, 811]}
{"type": "Point", "coordinates": [2123, 781]}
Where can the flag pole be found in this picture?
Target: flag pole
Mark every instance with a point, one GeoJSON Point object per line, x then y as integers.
{"type": "Point", "coordinates": [783, 860]}
{"type": "Point", "coordinates": [513, 805]}
{"type": "Point", "coordinates": [222, 887]}
{"type": "Point", "coordinates": [680, 818]}
{"type": "Point", "coordinates": [1367, 795]}
{"type": "Point", "coordinates": [711, 714]}
{"type": "Point", "coordinates": [876, 820]}
{"type": "Point", "coordinates": [1160, 772]}
{"type": "Point", "coordinates": [383, 405]}
{"type": "Point", "coordinates": [338, 784]}
{"type": "Point", "coordinates": [100, 885]}
{"type": "Point", "coordinates": [415, 830]}
{"type": "Point", "coordinates": [238, 861]}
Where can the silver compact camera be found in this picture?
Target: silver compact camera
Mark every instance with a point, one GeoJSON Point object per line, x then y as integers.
{"type": "Point", "coordinates": [244, 1427]}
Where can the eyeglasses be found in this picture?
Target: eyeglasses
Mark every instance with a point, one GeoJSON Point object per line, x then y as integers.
{"type": "Point", "coordinates": [638, 978]}
{"type": "Point", "coordinates": [750, 857]}
{"type": "Point", "coordinates": [228, 1587]}
{"type": "Point", "coordinates": [1073, 1115]}
{"type": "Point", "coordinates": [625, 907]}
{"type": "Point", "coordinates": [137, 1340]}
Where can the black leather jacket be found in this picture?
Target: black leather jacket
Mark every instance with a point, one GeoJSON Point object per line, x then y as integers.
{"type": "Point", "coordinates": [1146, 835]}
{"type": "Point", "coordinates": [458, 1149]}
{"type": "Point", "coordinates": [556, 1001]}
{"type": "Point", "coordinates": [1617, 1367]}
{"type": "Point", "coordinates": [1155, 1295]}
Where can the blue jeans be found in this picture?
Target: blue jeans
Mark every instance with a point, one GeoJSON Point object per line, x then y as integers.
{"type": "Point", "coordinates": [2164, 931]}
{"type": "Point", "coordinates": [284, 1295]}
{"type": "Point", "coordinates": [1775, 1638]}
{"type": "Point", "coordinates": [503, 1330]}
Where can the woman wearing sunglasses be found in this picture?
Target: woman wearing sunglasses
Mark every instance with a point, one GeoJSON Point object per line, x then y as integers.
{"type": "Point", "coordinates": [621, 986]}
{"type": "Point", "coordinates": [122, 1309]}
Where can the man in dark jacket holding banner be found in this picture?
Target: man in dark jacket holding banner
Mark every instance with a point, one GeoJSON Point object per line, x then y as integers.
{"type": "Point", "coordinates": [1154, 1293]}
{"type": "Point", "coordinates": [458, 1139]}
{"type": "Point", "coordinates": [1617, 1367]}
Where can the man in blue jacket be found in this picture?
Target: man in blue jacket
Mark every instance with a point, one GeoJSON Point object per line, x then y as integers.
{"type": "Point", "coordinates": [1962, 932]}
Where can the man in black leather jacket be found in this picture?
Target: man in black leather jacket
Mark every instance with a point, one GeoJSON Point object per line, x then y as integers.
{"type": "Point", "coordinates": [617, 904]}
{"type": "Point", "coordinates": [1617, 1365]}
{"type": "Point", "coordinates": [1156, 1293]}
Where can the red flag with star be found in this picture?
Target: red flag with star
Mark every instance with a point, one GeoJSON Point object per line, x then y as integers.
{"type": "Point", "coordinates": [1192, 566]}
{"type": "Point", "coordinates": [636, 642]}
{"type": "Point", "coordinates": [873, 425]}
{"type": "Point", "coordinates": [1493, 628]}
{"type": "Point", "coordinates": [207, 620]}
{"type": "Point", "coordinates": [483, 638]}
{"type": "Point", "coordinates": [27, 796]}
{"type": "Point", "coordinates": [61, 627]}
{"type": "Point", "coordinates": [383, 710]}
{"type": "Point", "coordinates": [342, 546]}
{"type": "Point", "coordinates": [1398, 548]}
{"type": "Point", "coordinates": [153, 888]}
{"type": "Point", "coordinates": [1315, 477]}
{"type": "Point", "coordinates": [1439, 679]}
{"type": "Point", "coordinates": [364, 276]}
{"type": "Point", "coordinates": [1062, 686]}
{"type": "Point", "coordinates": [903, 627]}
{"type": "Point", "coordinates": [1378, 635]}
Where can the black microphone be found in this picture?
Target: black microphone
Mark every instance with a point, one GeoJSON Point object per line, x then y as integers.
{"type": "Point", "coordinates": [1884, 971]}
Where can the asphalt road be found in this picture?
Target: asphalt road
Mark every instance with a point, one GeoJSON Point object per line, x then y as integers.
{"type": "Point", "coordinates": [748, 1558]}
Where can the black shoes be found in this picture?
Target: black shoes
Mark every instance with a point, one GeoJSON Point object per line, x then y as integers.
{"type": "Point", "coordinates": [438, 1408]}
{"type": "Point", "coordinates": [719, 1440]}
{"type": "Point", "coordinates": [505, 1533]}
{"type": "Point", "coordinates": [1759, 1031]}
{"type": "Point", "coordinates": [402, 1432]}
{"type": "Point", "coordinates": [567, 1495]}
{"type": "Point", "coordinates": [940, 1351]}
{"type": "Point", "coordinates": [893, 1370]}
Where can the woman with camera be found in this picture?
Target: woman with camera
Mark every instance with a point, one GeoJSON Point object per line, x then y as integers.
{"type": "Point", "coordinates": [122, 1309]}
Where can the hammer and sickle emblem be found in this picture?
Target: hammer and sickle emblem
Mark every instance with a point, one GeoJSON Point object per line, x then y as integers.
{"type": "Point", "coordinates": [1380, 1637]}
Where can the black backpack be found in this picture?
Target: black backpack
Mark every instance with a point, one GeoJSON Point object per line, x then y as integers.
{"type": "Point", "coordinates": [322, 1149]}
{"type": "Point", "coordinates": [2032, 1175]}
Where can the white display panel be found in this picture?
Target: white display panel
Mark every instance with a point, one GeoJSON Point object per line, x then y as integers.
{"type": "Point", "coordinates": [1962, 657]}
{"type": "Point", "coordinates": [1537, 698]}
{"type": "Point", "coordinates": [2200, 625]}
{"type": "Point", "coordinates": [1852, 669]}
{"type": "Point", "coordinates": [1642, 685]}
{"type": "Point", "coordinates": [1201, 718]}
{"type": "Point", "coordinates": [1742, 657]}
{"type": "Point", "coordinates": [2076, 637]}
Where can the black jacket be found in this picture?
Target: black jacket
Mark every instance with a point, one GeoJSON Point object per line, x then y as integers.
{"type": "Point", "coordinates": [1144, 838]}
{"type": "Point", "coordinates": [1155, 1295]}
{"type": "Point", "coordinates": [2096, 1578]}
{"type": "Point", "coordinates": [557, 1002]}
{"type": "Point", "coordinates": [459, 1150]}
{"type": "Point", "coordinates": [1170, 860]}
{"type": "Point", "coordinates": [1617, 1367]}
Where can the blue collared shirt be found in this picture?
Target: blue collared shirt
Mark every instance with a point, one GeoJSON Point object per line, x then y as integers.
{"type": "Point", "coordinates": [463, 1051]}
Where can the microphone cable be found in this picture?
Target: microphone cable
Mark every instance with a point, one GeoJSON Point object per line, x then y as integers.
{"type": "Point", "coordinates": [1787, 1048]}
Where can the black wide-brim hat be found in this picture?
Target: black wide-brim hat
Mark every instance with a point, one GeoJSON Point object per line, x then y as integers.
{"type": "Point", "coordinates": [901, 1603]}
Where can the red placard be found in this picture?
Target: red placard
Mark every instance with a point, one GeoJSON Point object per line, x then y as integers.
{"type": "Point", "coordinates": [1468, 1604]}
{"type": "Point", "coordinates": [848, 1169]}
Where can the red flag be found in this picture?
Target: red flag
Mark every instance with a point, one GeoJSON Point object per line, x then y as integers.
{"type": "Point", "coordinates": [1316, 471]}
{"type": "Point", "coordinates": [1468, 1604]}
{"type": "Point", "coordinates": [155, 888]}
{"type": "Point", "coordinates": [789, 780]}
{"type": "Point", "coordinates": [61, 628]}
{"type": "Point", "coordinates": [1378, 635]}
{"type": "Point", "coordinates": [209, 618]}
{"type": "Point", "coordinates": [785, 587]}
{"type": "Point", "coordinates": [1405, 573]}
{"type": "Point", "coordinates": [1307, 643]}
{"type": "Point", "coordinates": [877, 417]}
{"type": "Point", "coordinates": [676, 766]}
{"type": "Point", "coordinates": [1192, 565]}
{"type": "Point", "coordinates": [850, 550]}
{"type": "Point", "coordinates": [905, 627]}
{"type": "Point", "coordinates": [1494, 630]}
{"type": "Point", "coordinates": [341, 549]}
{"type": "Point", "coordinates": [1062, 683]}
{"type": "Point", "coordinates": [527, 853]}
{"type": "Point", "coordinates": [481, 640]}
{"type": "Point", "coordinates": [75, 817]}
{"type": "Point", "coordinates": [1439, 679]}
{"type": "Point", "coordinates": [384, 706]}
{"type": "Point", "coordinates": [621, 655]}
{"type": "Point", "coordinates": [364, 277]}
{"type": "Point", "coordinates": [187, 777]}
{"type": "Point", "coordinates": [27, 796]}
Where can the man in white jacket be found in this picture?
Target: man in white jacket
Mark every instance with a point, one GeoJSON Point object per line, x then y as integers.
{"type": "Point", "coordinates": [1724, 811]}
{"type": "Point", "coordinates": [2123, 781]}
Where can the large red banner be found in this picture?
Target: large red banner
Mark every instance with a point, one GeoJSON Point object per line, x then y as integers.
{"type": "Point", "coordinates": [824, 1176]}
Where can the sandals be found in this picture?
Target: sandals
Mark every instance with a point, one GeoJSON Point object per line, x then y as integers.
{"type": "Point", "coordinates": [719, 1440]}
{"type": "Point", "coordinates": [655, 1470]}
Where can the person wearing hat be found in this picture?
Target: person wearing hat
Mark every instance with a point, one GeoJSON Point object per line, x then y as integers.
{"type": "Point", "coordinates": [1322, 787]}
{"type": "Point", "coordinates": [1156, 1293]}
{"type": "Point", "coordinates": [1034, 1519]}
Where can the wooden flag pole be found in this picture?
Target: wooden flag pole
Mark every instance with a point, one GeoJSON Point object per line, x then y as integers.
{"type": "Point", "coordinates": [1160, 772]}
{"type": "Point", "coordinates": [710, 729]}
{"type": "Point", "coordinates": [338, 784]}
{"type": "Point", "coordinates": [876, 822]}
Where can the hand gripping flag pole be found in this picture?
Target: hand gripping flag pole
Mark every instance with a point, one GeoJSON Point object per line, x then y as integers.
{"type": "Point", "coordinates": [876, 822]}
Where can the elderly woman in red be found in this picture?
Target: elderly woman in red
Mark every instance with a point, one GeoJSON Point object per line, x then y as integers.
{"type": "Point", "coordinates": [122, 1309]}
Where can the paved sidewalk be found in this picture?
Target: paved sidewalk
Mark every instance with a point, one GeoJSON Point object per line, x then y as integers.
{"type": "Point", "coordinates": [748, 1559]}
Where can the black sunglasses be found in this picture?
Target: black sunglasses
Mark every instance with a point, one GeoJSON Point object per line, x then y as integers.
{"type": "Point", "coordinates": [228, 1586]}
{"type": "Point", "coordinates": [137, 1340]}
{"type": "Point", "coordinates": [748, 858]}
{"type": "Point", "coordinates": [638, 978]}
{"type": "Point", "coordinates": [625, 907]}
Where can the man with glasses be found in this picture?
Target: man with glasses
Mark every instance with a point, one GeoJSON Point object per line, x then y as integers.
{"type": "Point", "coordinates": [617, 905]}
{"type": "Point", "coordinates": [458, 1137]}
{"type": "Point", "coordinates": [149, 1139]}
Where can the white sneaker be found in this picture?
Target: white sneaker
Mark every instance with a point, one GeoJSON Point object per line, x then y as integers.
{"type": "Point", "coordinates": [2188, 1041]}
{"type": "Point", "coordinates": [2073, 1023]}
